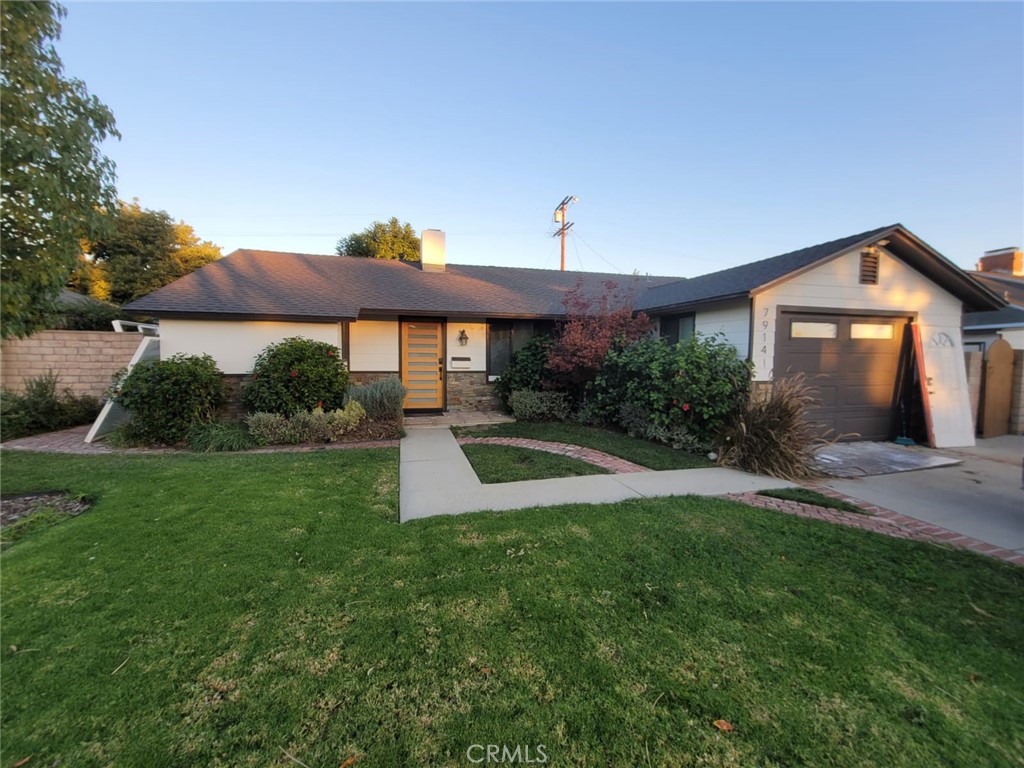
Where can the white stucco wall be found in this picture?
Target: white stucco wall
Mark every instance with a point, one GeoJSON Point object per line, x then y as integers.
{"type": "Point", "coordinates": [373, 345]}
{"type": "Point", "coordinates": [235, 344]}
{"type": "Point", "coordinates": [730, 318]}
{"type": "Point", "coordinates": [836, 285]}
{"type": "Point", "coordinates": [475, 349]}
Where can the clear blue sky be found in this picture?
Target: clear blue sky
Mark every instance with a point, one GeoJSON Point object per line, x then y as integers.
{"type": "Point", "coordinates": [697, 136]}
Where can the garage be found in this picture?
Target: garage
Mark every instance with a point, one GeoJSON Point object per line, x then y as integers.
{"type": "Point", "coordinates": [852, 361]}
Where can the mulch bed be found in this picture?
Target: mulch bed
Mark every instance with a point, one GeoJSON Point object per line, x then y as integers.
{"type": "Point", "coordinates": [16, 506]}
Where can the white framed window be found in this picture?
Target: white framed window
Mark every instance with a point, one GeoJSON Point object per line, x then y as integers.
{"type": "Point", "coordinates": [872, 331]}
{"type": "Point", "coordinates": [806, 329]}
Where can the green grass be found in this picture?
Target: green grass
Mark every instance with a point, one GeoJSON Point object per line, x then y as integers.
{"type": "Point", "coordinates": [642, 452]}
{"type": "Point", "coordinates": [506, 464]}
{"type": "Point", "coordinates": [219, 609]}
{"type": "Point", "coordinates": [807, 496]}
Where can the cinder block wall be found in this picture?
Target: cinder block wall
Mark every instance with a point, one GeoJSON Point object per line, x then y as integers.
{"type": "Point", "coordinates": [975, 363]}
{"type": "Point", "coordinates": [1017, 394]}
{"type": "Point", "coordinates": [84, 360]}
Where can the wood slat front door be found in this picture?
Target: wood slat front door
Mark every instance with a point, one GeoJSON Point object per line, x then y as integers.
{"type": "Point", "coordinates": [423, 365]}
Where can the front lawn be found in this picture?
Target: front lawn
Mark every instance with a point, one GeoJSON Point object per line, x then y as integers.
{"type": "Point", "coordinates": [642, 452]}
{"type": "Point", "coordinates": [255, 610]}
{"type": "Point", "coordinates": [507, 464]}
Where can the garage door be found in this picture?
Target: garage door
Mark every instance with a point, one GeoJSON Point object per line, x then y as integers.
{"type": "Point", "coordinates": [851, 361]}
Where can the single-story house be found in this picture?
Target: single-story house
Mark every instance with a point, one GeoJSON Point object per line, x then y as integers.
{"type": "Point", "coordinates": [836, 310]}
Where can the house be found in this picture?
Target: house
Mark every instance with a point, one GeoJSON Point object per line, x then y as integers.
{"type": "Point", "coordinates": [835, 310]}
{"type": "Point", "coordinates": [1001, 271]}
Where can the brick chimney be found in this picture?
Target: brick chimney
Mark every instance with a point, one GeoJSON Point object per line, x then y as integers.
{"type": "Point", "coordinates": [1005, 261]}
{"type": "Point", "coordinates": [432, 250]}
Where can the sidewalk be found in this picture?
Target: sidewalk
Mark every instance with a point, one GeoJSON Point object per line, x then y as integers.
{"type": "Point", "coordinates": [437, 479]}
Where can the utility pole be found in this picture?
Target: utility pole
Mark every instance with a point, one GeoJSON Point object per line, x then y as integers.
{"type": "Point", "coordinates": [565, 225]}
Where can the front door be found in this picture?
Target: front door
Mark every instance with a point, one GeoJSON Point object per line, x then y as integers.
{"type": "Point", "coordinates": [423, 364]}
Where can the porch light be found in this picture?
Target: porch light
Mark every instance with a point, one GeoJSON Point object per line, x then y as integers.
{"type": "Point", "coordinates": [463, 338]}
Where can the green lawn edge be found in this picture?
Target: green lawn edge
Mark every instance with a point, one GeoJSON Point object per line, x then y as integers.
{"type": "Point", "coordinates": [643, 452]}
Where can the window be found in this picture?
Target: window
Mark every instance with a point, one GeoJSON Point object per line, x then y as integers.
{"type": "Point", "coordinates": [677, 328]}
{"type": "Point", "coordinates": [871, 331]}
{"type": "Point", "coordinates": [869, 268]}
{"type": "Point", "coordinates": [803, 329]}
{"type": "Point", "coordinates": [506, 337]}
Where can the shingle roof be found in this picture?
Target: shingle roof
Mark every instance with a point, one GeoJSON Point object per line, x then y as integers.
{"type": "Point", "coordinates": [741, 280]}
{"type": "Point", "coordinates": [1010, 287]}
{"type": "Point", "coordinates": [998, 318]}
{"type": "Point", "coordinates": [250, 284]}
{"type": "Point", "coordinates": [265, 284]}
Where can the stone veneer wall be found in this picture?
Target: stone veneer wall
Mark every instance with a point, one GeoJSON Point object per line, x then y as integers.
{"type": "Point", "coordinates": [84, 360]}
{"type": "Point", "coordinates": [362, 378]}
{"type": "Point", "coordinates": [470, 391]}
{"type": "Point", "coordinates": [233, 409]}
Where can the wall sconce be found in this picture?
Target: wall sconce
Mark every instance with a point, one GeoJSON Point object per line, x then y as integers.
{"type": "Point", "coordinates": [463, 338]}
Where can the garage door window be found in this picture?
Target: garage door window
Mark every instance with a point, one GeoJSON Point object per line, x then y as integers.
{"type": "Point", "coordinates": [871, 331]}
{"type": "Point", "coordinates": [803, 329]}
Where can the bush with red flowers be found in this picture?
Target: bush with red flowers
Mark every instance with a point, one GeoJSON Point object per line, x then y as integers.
{"type": "Point", "coordinates": [297, 375]}
{"type": "Point", "coordinates": [694, 387]}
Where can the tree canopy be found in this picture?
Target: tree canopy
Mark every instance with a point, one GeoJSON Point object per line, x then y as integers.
{"type": "Point", "coordinates": [143, 250]}
{"type": "Point", "coordinates": [55, 181]}
{"type": "Point", "coordinates": [380, 240]}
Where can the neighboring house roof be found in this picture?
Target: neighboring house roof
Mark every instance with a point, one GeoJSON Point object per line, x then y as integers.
{"type": "Point", "coordinates": [1009, 287]}
{"type": "Point", "coordinates": [267, 285]}
{"type": "Point", "coordinates": [1007, 317]}
{"type": "Point", "coordinates": [249, 284]}
{"type": "Point", "coordinates": [747, 279]}
{"type": "Point", "coordinates": [69, 298]}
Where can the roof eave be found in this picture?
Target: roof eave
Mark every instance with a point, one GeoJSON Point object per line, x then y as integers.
{"type": "Point", "coordinates": [668, 309]}
{"type": "Point", "coordinates": [250, 316]}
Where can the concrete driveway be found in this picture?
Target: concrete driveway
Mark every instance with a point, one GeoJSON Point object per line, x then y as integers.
{"type": "Point", "coordinates": [980, 497]}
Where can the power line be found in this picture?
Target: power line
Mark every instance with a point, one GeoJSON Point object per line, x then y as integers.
{"type": "Point", "coordinates": [602, 258]}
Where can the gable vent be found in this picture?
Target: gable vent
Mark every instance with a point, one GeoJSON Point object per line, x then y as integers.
{"type": "Point", "coordinates": [869, 268]}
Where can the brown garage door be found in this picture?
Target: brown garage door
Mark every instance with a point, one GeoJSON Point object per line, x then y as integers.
{"type": "Point", "coordinates": [851, 360]}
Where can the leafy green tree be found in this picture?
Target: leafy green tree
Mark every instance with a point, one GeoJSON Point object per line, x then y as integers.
{"type": "Point", "coordinates": [143, 251]}
{"type": "Point", "coordinates": [380, 240]}
{"type": "Point", "coordinates": [55, 181]}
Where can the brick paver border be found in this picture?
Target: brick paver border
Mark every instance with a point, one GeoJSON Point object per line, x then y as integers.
{"type": "Point", "coordinates": [613, 464]}
{"type": "Point", "coordinates": [879, 520]}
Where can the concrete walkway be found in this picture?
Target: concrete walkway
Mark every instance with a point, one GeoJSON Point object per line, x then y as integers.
{"type": "Point", "coordinates": [437, 479]}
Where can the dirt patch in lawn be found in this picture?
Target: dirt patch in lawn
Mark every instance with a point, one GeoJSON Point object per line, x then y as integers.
{"type": "Point", "coordinates": [23, 512]}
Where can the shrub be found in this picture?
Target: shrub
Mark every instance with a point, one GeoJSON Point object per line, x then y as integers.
{"type": "Point", "coordinates": [268, 428]}
{"type": "Point", "coordinates": [527, 368]}
{"type": "Point", "coordinates": [215, 438]}
{"type": "Point", "coordinates": [382, 400]}
{"type": "Point", "coordinates": [41, 408]}
{"type": "Point", "coordinates": [316, 426]}
{"type": "Point", "coordinates": [297, 375]}
{"type": "Point", "coordinates": [88, 316]}
{"type": "Point", "coordinates": [167, 399]}
{"type": "Point", "coordinates": [539, 406]}
{"type": "Point", "coordinates": [638, 422]}
{"type": "Point", "coordinates": [592, 326]}
{"type": "Point", "coordinates": [693, 387]}
{"type": "Point", "coordinates": [771, 435]}
{"type": "Point", "coordinates": [347, 419]}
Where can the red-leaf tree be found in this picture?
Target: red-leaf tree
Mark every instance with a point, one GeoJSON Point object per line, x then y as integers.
{"type": "Point", "coordinates": [591, 326]}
